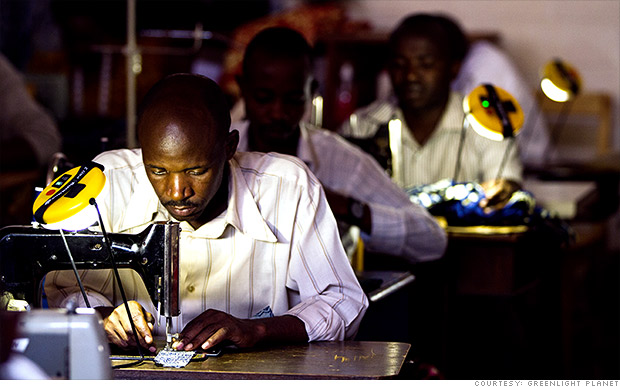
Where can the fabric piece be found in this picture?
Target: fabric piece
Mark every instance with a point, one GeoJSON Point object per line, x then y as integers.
{"type": "Point", "coordinates": [174, 359]}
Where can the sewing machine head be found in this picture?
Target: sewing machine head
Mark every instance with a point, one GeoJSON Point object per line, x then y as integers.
{"type": "Point", "coordinates": [28, 253]}
{"type": "Point", "coordinates": [54, 344]}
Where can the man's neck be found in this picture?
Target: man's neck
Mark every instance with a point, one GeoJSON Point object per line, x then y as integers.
{"type": "Point", "coordinates": [287, 146]}
{"type": "Point", "coordinates": [423, 122]}
{"type": "Point", "coordinates": [218, 203]}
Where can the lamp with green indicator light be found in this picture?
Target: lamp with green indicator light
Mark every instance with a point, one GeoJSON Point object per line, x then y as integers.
{"type": "Point", "coordinates": [494, 114]}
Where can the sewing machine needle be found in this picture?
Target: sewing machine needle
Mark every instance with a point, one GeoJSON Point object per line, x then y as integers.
{"type": "Point", "coordinates": [168, 334]}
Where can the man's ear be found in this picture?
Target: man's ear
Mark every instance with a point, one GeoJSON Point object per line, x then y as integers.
{"type": "Point", "coordinates": [240, 82]}
{"type": "Point", "coordinates": [232, 140]}
{"type": "Point", "coordinates": [454, 69]}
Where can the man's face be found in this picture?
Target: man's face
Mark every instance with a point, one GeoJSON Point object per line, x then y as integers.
{"type": "Point", "coordinates": [421, 72]}
{"type": "Point", "coordinates": [275, 91]}
{"type": "Point", "coordinates": [185, 172]}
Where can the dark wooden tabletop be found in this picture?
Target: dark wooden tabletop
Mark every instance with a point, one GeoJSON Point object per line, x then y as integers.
{"type": "Point", "coordinates": [318, 360]}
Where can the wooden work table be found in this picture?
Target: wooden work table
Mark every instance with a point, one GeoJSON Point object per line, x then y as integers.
{"type": "Point", "coordinates": [319, 360]}
{"type": "Point", "coordinates": [489, 309]}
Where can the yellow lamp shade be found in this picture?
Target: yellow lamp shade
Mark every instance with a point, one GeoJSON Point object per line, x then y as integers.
{"type": "Point", "coordinates": [65, 203]}
{"type": "Point", "coordinates": [492, 112]}
{"type": "Point", "coordinates": [560, 81]}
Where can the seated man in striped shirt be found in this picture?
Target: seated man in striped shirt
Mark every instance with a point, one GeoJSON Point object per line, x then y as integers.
{"type": "Point", "coordinates": [425, 52]}
{"type": "Point", "coordinates": [275, 86]}
{"type": "Point", "coordinates": [257, 236]}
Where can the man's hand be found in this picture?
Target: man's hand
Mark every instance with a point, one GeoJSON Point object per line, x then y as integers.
{"type": "Point", "coordinates": [213, 327]}
{"type": "Point", "coordinates": [497, 193]}
{"type": "Point", "coordinates": [118, 327]}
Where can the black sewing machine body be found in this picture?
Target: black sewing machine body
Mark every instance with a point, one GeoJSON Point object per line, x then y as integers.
{"type": "Point", "coordinates": [28, 253]}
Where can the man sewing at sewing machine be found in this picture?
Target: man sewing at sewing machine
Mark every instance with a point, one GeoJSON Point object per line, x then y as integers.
{"type": "Point", "coordinates": [260, 256]}
{"type": "Point", "coordinates": [425, 53]}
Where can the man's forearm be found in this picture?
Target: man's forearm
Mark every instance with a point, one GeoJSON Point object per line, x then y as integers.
{"type": "Point", "coordinates": [285, 328]}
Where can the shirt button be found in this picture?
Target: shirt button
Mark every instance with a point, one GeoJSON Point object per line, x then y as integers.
{"type": "Point", "coordinates": [191, 288]}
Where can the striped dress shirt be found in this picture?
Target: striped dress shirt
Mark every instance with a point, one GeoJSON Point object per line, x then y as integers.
{"type": "Point", "coordinates": [437, 158]}
{"type": "Point", "coordinates": [276, 245]}
{"type": "Point", "coordinates": [399, 227]}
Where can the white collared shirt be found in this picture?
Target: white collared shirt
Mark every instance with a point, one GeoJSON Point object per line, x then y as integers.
{"type": "Point", "coordinates": [275, 245]}
{"type": "Point", "coordinates": [399, 227]}
{"type": "Point", "coordinates": [436, 159]}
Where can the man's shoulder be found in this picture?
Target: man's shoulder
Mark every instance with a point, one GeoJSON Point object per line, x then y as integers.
{"type": "Point", "coordinates": [320, 135]}
{"type": "Point", "coordinates": [484, 50]}
{"type": "Point", "coordinates": [379, 111]}
{"type": "Point", "coordinates": [271, 162]}
{"type": "Point", "coordinates": [365, 121]}
{"type": "Point", "coordinates": [328, 141]}
{"type": "Point", "coordinates": [284, 167]}
{"type": "Point", "coordinates": [120, 158]}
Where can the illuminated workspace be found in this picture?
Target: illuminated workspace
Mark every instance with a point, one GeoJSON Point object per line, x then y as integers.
{"type": "Point", "coordinates": [530, 291]}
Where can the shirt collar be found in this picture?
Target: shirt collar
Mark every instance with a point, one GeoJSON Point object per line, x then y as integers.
{"type": "Point", "coordinates": [449, 121]}
{"type": "Point", "coordinates": [242, 128]}
{"type": "Point", "coordinates": [242, 213]}
{"type": "Point", "coordinates": [305, 149]}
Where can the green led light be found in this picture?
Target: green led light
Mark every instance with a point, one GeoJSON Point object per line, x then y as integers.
{"type": "Point", "coordinates": [485, 104]}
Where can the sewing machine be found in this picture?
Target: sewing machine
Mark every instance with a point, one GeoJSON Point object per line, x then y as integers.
{"type": "Point", "coordinates": [64, 344]}
{"type": "Point", "coordinates": [28, 253]}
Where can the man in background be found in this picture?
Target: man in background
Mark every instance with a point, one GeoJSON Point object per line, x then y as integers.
{"type": "Point", "coordinates": [260, 260]}
{"type": "Point", "coordinates": [276, 86]}
{"type": "Point", "coordinates": [425, 55]}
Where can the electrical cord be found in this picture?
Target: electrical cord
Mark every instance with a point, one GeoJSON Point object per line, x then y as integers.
{"type": "Point", "coordinates": [77, 275]}
{"type": "Point", "coordinates": [108, 245]}
{"type": "Point", "coordinates": [457, 167]}
{"type": "Point", "coordinates": [505, 158]}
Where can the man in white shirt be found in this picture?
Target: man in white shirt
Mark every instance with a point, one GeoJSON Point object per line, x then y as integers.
{"type": "Point", "coordinates": [425, 56]}
{"type": "Point", "coordinates": [257, 235]}
{"type": "Point", "coordinates": [275, 86]}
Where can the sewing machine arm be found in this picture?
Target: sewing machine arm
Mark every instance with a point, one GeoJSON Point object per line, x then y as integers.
{"type": "Point", "coordinates": [27, 254]}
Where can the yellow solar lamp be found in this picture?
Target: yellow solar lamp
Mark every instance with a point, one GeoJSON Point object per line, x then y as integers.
{"type": "Point", "coordinates": [69, 203]}
{"type": "Point", "coordinates": [560, 81]}
{"type": "Point", "coordinates": [66, 203]}
{"type": "Point", "coordinates": [493, 113]}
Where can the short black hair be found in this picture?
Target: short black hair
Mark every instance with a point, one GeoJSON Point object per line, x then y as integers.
{"type": "Point", "coordinates": [188, 90]}
{"type": "Point", "coordinates": [278, 42]}
{"type": "Point", "coordinates": [439, 27]}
